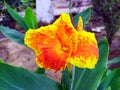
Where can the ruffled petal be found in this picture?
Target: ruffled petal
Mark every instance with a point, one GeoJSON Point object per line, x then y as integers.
{"type": "Point", "coordinates": [51, 59]}
{"type": "Point", "coordinates": [66, 33]}
{"type": "Point", "coordinates": [47, 47]}
{"type": "Point", "coordinates": [37, 38]}
{"type": "Point", "coordinates": [86, 55]}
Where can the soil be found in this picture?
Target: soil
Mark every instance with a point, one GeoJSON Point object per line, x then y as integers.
{"type": "Point", "coordinates": [22, 56]}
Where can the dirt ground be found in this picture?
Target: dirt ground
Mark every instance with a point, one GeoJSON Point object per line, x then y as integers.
{"type": "Point", "coordinates": [21, 56]}
{"type": "Point", "coordinates": [17, 55]}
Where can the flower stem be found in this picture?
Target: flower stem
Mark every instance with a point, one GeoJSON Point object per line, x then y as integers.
{"type": "Point", "coordinates": [70, 7]}
{"type": "Point", "coordinates": [73, 76]}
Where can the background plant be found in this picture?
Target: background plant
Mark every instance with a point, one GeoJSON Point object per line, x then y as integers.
{"type": "Point", "coordinates": [110, 11]}
{"type": "Point", "coordinates": [4, 15]}
{"type": "Point", "coordinates": [17, 5]}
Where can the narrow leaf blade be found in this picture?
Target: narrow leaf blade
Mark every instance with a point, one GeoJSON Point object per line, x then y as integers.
{"type": "Point", "coordinates": [111, 80]}
{"type": "Point", "coordinates": [16, 17]}
{"type": "Point", "coordinates": [12, 34]}
{"type": "Point", "coordinates": [114, 61]}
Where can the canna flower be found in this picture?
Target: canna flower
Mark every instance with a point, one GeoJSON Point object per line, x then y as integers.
{"type": "Point", "coordinates": [60, 44]}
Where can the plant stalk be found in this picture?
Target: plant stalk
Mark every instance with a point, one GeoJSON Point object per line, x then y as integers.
{"type": "Point", "coordinates": [73, 76]}
{"type": "Point", "coordinates": [70, 8]}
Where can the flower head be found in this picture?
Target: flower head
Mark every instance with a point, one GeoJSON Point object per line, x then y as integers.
{"type": "Point", "coordinates": [60, 44]}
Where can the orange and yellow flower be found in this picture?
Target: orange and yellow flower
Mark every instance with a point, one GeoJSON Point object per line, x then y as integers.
{"type": "Point", "coordinates": [60, 44]}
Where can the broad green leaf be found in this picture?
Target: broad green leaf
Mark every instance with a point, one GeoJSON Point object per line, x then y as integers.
{"type": "Point", "coordinates": [16, 78]}
{"type": "Point", "coordinates": [87, 79]}
{"type": "Point", "coordinates": [30, 18]}
{"type": "Point", "coordinates": [111, 80]}
{"type": "Point", "coordinates": [85, 17]}
{"type": "Point", "coordinates": [12, 34]}
{"type": "Point", "coordinates": [16, 16]}
{"type": "Point", "coordinates": [115, 82]}
{"type": "Point", "coordinates": [1, 61]}
{"type": "Point", "coordinates": [66, 79]}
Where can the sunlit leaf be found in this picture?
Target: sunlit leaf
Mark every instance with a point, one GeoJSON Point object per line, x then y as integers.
{"type": "Point", "coordinates": [1, 60]}
{"type": "Point", "coordinates": [30, 18]}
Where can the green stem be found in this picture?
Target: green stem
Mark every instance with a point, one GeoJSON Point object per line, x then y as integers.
{"type": "Point", "coordinates": [73, 76]}
{"type": "Point", "coordinates": [70, 7]}
{"type": "Point", "coordinates": [79, 80]}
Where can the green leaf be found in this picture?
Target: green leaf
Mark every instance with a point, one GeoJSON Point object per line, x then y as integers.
{"type": "Point", "coordinates": [114, 61]}
{"type": "Point", "coordinates": [87, 79]}
{"type": "Point", "coordinates": [105, 82]}
{"type": "Point", "coordinates": [40, 71]}
{"type": "Point", "coordinates": [111, 80]}
{"type": "Point", "coordinates": [109, 88]}
{"type": "Point", "coordinates": [1, 61]}
{"type": "Point", "coordinates": [12, 34]}
{"type": "Point", "coordinates": [16, 16]}
{"type": "Point", "coordinates": [30, 18]}
{"type": "Point", "coordinates": [25, 2]}
{"type": "Point", "coordinates": [66, 79]}
{"type": "Point", "coordinates": [16, 78]}
{"type": "Point", "coordinates": [85, 17]}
